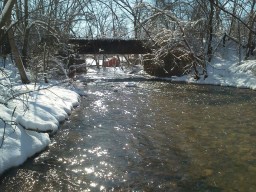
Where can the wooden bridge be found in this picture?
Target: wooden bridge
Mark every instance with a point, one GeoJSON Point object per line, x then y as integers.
{"type": "Point", "coordinates": [110, 46]}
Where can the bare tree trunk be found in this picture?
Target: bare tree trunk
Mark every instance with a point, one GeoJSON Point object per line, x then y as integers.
{"type": "Point", "coordinates": [26, 35]}
{"type": "Point", "coordinates": [210, 31]}
{"type": "Point", "coordinates": [15, 51]}
{"type": "Point", "coordinates": [252, 18]}
{"type": "Point", "coordinates": [240, 43]}
{"type": "Point", "coordinates": [44, 64]}
{"type": "Point", "coordinates": [5, 15]}
{"type": "Point", "coordinates": [17, 58]}
{"type": "Point", "coordinates": [232, 18]}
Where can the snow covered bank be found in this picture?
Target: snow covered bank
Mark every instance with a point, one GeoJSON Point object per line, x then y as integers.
{"type": "Point", "coordinates": [238, 75]}
{"type": "Point", "coordinates": [226, 70]}
{"type": "Point", "coordinates": [26, 120]}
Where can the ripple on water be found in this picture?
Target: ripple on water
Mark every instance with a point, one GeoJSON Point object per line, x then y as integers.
{"type": "Point", "coordinates": [153, 137]}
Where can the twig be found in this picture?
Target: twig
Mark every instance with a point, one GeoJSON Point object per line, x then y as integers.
{"type": "Point", "coordinates": [5, 123]}
{"type": "Point", "coordinates": [3, 133]}
{"type": "Point", "coordinates": [26, 92]}
{"type": "Point", "coordinates": [37, 130]}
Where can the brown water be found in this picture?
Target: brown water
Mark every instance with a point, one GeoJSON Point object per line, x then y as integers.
{"type": "Point", "coordinates": [153, 137]}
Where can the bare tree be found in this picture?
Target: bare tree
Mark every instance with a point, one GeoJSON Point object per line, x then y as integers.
{"type": "Point", "coordinates": [6, 21]}
{"type": "Point", "coordinates": [5, 16]}
{"type": "Point", "coordinates": [210, 30]}
{"type": "Point", "coordinates": [134, 12]}
{"type": "Point", "coordinates": [251, 21]}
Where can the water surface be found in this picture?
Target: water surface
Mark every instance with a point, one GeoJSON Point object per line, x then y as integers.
{"type": "Point", "coordinates": [152, 137]}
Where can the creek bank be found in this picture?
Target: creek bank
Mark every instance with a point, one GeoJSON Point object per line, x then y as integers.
{"type": "Point", "coordinates": [27, 120]}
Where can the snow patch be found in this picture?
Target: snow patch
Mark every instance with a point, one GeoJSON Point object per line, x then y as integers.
{"type": "Point", "coordinates": [23, 117]}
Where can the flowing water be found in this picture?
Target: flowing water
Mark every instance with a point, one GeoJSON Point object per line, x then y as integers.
{"type": "Point", "coordinates": [154, 136]}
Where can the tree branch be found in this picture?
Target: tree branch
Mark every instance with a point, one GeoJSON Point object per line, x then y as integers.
{"type": "Point", "coordinates": [236, 17]}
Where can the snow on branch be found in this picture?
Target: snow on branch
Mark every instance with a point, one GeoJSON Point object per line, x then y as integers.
{"type": "Point", "coordinates": [4, 122]}
{"type": "Point", "coordinates": [176, 47]}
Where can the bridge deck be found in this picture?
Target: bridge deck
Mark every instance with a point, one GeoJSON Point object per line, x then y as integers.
{"type": "Point", "coordinates": [110, 46]}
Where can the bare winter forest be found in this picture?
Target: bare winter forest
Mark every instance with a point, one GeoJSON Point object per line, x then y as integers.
{"type": "Point", "coordinates": [122, 64]}
{"type": "Point", "coordinates": [185, 33]}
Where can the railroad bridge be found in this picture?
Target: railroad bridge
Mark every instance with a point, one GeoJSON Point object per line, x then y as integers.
{"type": "Point", "coordinates": [110, 46]}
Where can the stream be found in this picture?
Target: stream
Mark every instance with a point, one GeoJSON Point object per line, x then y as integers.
{"type": "Point", "coordinates": [148, 136]}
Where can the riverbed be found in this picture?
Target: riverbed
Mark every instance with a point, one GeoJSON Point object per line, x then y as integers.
{"type": "Point", "coordinates": [149, 136]}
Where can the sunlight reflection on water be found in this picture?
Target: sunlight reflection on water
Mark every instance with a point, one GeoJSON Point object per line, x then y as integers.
{"type": "Point", "coordinates": [152, 137]}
